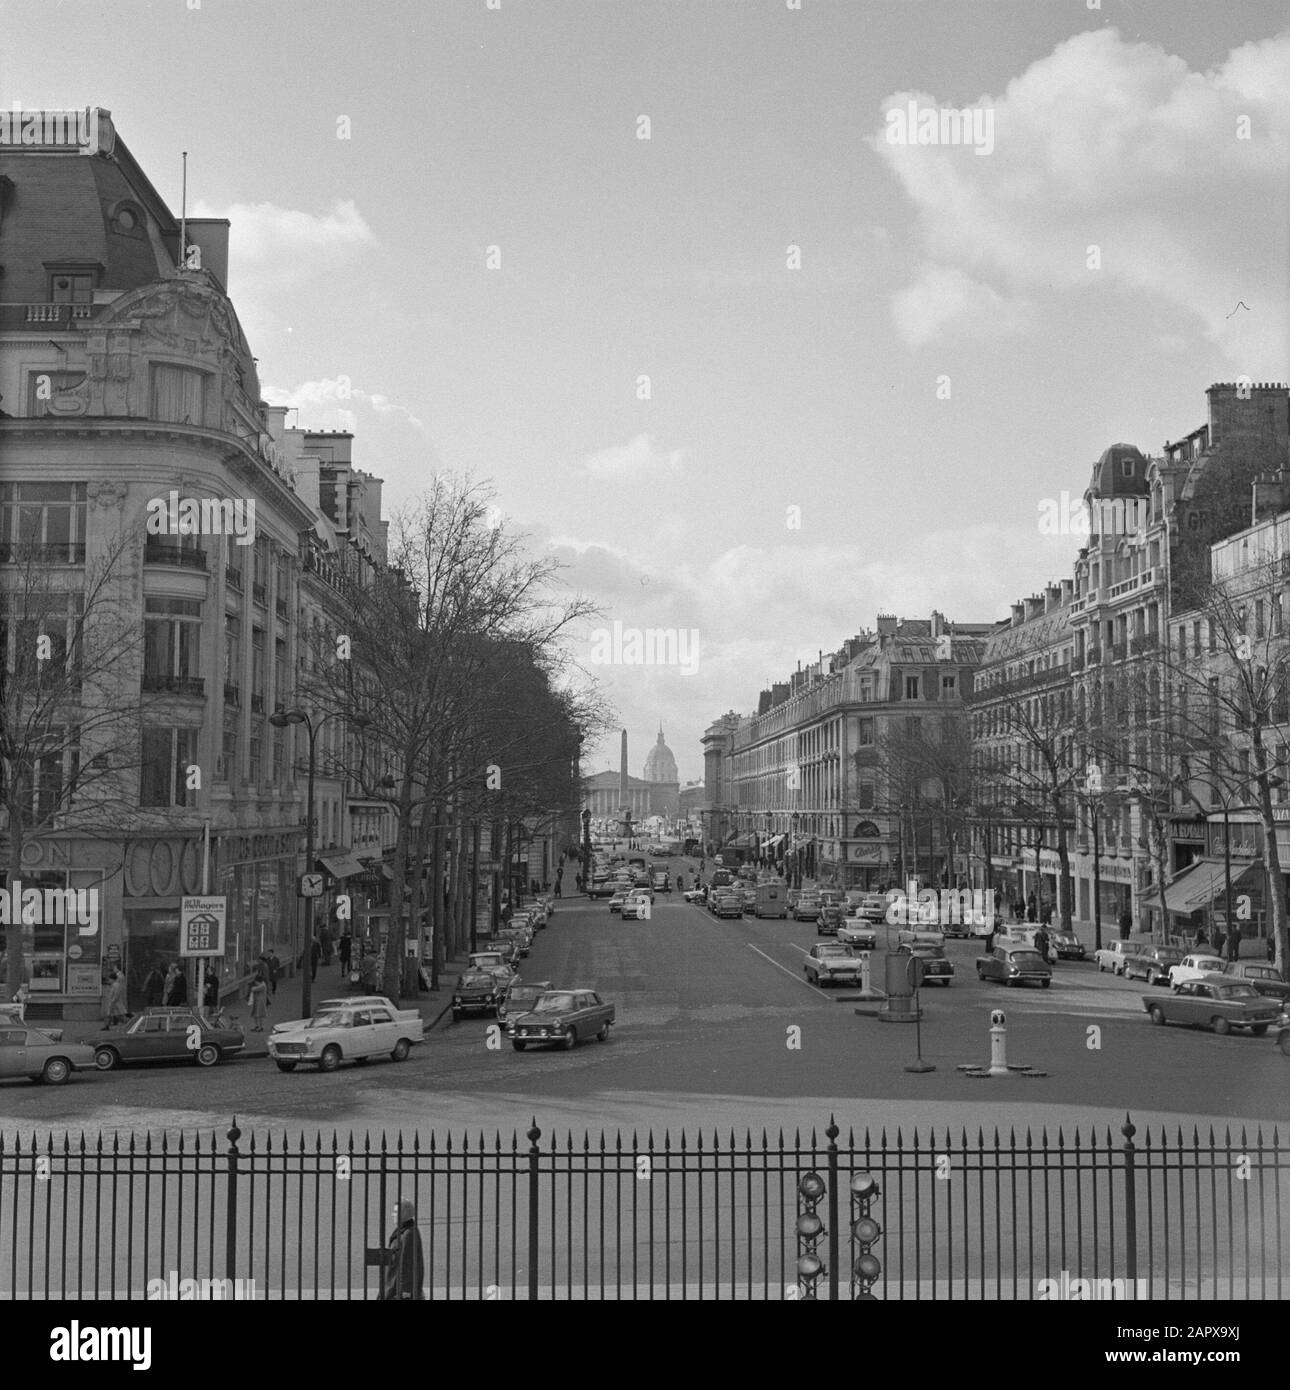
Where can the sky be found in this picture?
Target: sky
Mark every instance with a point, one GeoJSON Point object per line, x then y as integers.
{"type": "Point", "coordinates": [689, 286]}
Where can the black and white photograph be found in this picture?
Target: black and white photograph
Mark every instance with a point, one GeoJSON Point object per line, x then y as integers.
{"type": "Point", "coordinates": [644, 655]}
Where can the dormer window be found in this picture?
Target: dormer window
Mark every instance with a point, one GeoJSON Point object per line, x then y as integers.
{"type": "Point", "coordinates": [72, 282]}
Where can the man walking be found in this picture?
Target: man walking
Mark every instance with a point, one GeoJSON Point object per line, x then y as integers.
{"type": "Point", "coordinates": [344, 949]}
{"type": "Point", "coordinates": [403, 1267]}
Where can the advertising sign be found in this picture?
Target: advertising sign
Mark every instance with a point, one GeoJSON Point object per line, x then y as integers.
{"type": "Point", "coordinates": [201, 926]}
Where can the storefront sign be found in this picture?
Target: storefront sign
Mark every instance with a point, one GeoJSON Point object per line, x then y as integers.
{"type": "Point", "coordinates": [1187, 830]}
{"type": "Point", "coordinates": [201, 926]}
{"type": "Point", "coordinates": [869, 853]}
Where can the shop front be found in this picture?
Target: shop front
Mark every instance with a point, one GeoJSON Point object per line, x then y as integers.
{"type": "Point", "coordinates": [868, 858]}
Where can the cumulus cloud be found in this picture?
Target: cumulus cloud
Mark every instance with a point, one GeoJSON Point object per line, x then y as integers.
{"type": "Point", "coordinates": [334, 398]}
{"type": "Point", "coordinates": [289, 245]}
{"type": "Point", "coordinates": [640, 457]}
{"type": "Point", "coordinates": [1101, 143]}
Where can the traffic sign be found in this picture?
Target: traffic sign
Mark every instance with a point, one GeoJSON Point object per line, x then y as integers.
{"type": "Point", "coordinates": [311, 885]}
{"type": "Point", "coordinates": [201, 926]}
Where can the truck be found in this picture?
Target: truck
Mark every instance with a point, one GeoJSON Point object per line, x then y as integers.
{"type": "Point", "coordinates": [771, 900]}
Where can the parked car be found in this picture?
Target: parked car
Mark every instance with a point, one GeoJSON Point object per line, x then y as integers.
{"type": "Point", "coordinates": [1152, 965]}
{"type": "Point", "coordinates": [861, 935]}
{"type": "Point", "coordinates": [831, 963]}
{"type": "Point", "coordinates": [830, 919]}
{"type": "Point", "coordinates": [519, 998]}
{"type": "Point", "coordinates": [562, 1016]}
{"type": "Point", "coordinates": [1265, 979]}
{"type": "Point", "coordinates": [1112, 956]}
{"type": "Point", "coordinates": [495, 962]}
{"type": "Point", "coordinates": [477, 992]}
{"type": "Point", "coordinates": [806, 908]}
{"type": "Point", "coordinates": [173, 1034]}
{"type": "Point", "coordinates": [515, 941]}
{"type": "Point", "coordinates": [1195, 967]}
{"type": "Point", "coordinates": [348, 1034]}
{"type": "Point", "coordinates": [636, 906]}
{"type": "Point", "coordinates": [1014, 964]}
{"type": "Point", "coordinates": [1067, 945]}
{"type": "Point", "coordinates": [41, 1054]}
{"type": "Point", "coordinates": [1217, 1003]}
{"type": "Point", "coordinates": [937, 967]}
{"type": "Point", "coordinates": [1283, 1033]}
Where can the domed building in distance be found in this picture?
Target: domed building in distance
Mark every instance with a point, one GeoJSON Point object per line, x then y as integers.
{"type": "Point", "coordinates": [663, 778]}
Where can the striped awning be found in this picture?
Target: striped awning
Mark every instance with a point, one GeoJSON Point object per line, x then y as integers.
{"type": "Point", "coordinates": [1199, 884]}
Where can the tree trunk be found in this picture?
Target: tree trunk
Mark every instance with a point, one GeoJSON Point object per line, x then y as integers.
{"type": "Point", "coordinates": [20, 937]}
{"type": "Point", "coordinates": [436, 896]}
{"type": "Point", "coordinates": [1271, 854]}
{"type": "Point", "coordinates": [395, 944]}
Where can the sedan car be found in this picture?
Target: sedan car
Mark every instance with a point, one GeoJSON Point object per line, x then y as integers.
{"type": "Point", "coordinates": [830, 919]}
{"type": "Point", "coordinates": [1014, 964]}
{"type": "Point", "coordinates": [1152, 965]}
{"type": "Point", "coordinates": [1113, 956]}
{"type": "Point", "coordinates": [727, 905]}
{"type": "Point", "coordinates": [562, 1016]}
{"type": "Point", "coordinates": [477, 992]}
{"type": "Point", "coordinates": [1067, 945]}
{"type": "Point", "coordinates": [518, 940]}
{"type": "Point", "coordinates": [873, 907]}
{"type": "Point", "coordinates": [829, 963]}
{"type": "Point", "coordinates": [1264, 979]}
{"type": "Point", "coordinates": [41, 1054]}
{"type": "Point", "coordinates": [636, 906]}
{"type": "Point", "coordinates": [175, 1034]}
{"type": "Point", "coordinates": [854, 932]}
{"type": "Point", "coordinates": [695, 895]}
{"type": "Point", "coordinates": [937, 968]}
{"type": "Point", "coordinates": [620, 896]}
{"type": "Point", "coordinates": [806, 908]}
{"type": "Point", "coordinates": [1217, 1003]}
{"type": "Point", "coordinates": [520, 998]}
{"type": "Point", "coordinates": [1194, 967]}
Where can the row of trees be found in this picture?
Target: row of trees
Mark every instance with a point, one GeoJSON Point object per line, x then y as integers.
{"type": "Point", "coordinates": [1166, 732]}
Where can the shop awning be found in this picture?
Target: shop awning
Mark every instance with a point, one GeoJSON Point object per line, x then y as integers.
{"type": "Point", "coordinates": [341, 864]}
{"type": "Point", "coordinates": [742, 842]}
{"type": "Point", "coordinates": [775, 842]}
{"type": "Point", "coordinates": [1199, 884]}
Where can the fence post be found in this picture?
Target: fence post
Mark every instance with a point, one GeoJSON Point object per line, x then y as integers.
{"type": "Point", "coordinates": [832, 1133]}
{"type": "Point", "coordinates": [534, 1135]}
{"type": "Point", "coordinates": [1130, 1201]}
{"type": "Point", "coordinates": [230, 1207]}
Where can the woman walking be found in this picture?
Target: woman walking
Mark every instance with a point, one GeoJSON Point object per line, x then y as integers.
{"type": "Point", "coordinates": [176, 986]}
{"type": "Point", "coordinates": [114, 1005]}
{"type": "Point", "coordinates": [258, 998]}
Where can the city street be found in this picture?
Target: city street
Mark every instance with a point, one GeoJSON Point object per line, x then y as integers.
{"type": "Point", "coordinates": [706, 1012]}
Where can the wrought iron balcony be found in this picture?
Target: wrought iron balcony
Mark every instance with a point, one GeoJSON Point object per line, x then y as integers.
{"type": "Point", "coordinates": [154, 683]}
{"type": "Point", "coordinates": [232, 694]}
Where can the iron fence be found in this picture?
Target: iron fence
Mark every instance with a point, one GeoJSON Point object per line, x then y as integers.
{"type": "Point", "coordinates": [641, 1217]}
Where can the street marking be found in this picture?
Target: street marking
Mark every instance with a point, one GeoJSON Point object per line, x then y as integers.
{"type": "Point", "coordinates": [789, 973]}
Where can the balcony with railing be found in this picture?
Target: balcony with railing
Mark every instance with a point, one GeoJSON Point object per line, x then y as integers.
{"type": "Point", "coordinates": [280, 608]}
{"type": "Point", "coordinates": [232, 694]}
{"type": "Point", "coordinates": [1144, 580]}
{"type": "Point", "coordinates": [48, 315]}
{"type": "Point", "coordinates": [1117, 650]}
{"type": "Point", "coordinates": [177, 556]}
{"type": "Point", "coordinates": [233, 578]}
{"type": "Point", "coordinates": [260, 595]}
{"type": "Point", "coordinates": [257, 704]}
{"type": "Point", "coordinates": [154, 683]}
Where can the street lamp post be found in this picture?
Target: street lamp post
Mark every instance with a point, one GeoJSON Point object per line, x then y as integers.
{"type": "Point", "coordinates": [280, 718]}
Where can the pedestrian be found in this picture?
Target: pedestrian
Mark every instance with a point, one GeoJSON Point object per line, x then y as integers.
{"type": "Point", "coordinates": [345, 949]}
{"type": "Point", "coordinates": [558, 884]}
{"type": "Point", "coordinates": [506, 911]}
{"type": "Point", "coordinates": [1234, 944]}
{"type": "Point", "coordinates": [22, 994]}
{"type": "Point", "coordinates": [115, 1004]}
{"type": "Point", "coordinates": [1219, 939]}
{"type": "Point", "coordinates": [258, 998]}
{"type": "Point", "coordinates": [176, 991]}
{"type": "Point", "coordinates": [1272, 948]}
{"type": "Point", "coordinates": [315, 954]}
{"type": "Point", "coordinates": [1041, 943]}
{"type": "Point", "coordinates": [1126, 924]}
{"type": "Point", "coordinates": [1201, 938]}
{"type": "Point", "coordinates": [154, 986]}
{"type": "Point", "coordinates": [210, 991]}
{"type": "Point", "coordinates": [577, 879]}
{"type": "Point", "coordinates": [275, 971]}
{"type": "Point", "coordinates": [1046, 916]}
{"type": "Point", "coordinates": [403, 1263]}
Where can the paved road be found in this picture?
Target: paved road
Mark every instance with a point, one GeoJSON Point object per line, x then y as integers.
{"type": "Point", "coordinates": [716, 1025]}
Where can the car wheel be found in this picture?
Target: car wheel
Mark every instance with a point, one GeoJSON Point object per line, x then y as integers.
{"type": "Point", "coordinates": [401, 1050]}
{"type": "Point", "coordinates": [330, 1058]}
{"type": "Point", "coordinates": [207, 1055]}
{"type": "Point", "coordinates": [569, 1039]}
{"type": "Point", "coordinates": [1156, 1014]}
{"type": "Point", "coordinates": [518, 1045]}
{"type": "Point", "coordinates": [1222, 1027]}
{"type": "Point", "coordinates": [1259, 1029]}
{"type": "Point", "coordinates": [55, 1071]}
{"type": "Point", "coordinates": [603, 1035]}
{"type": "Point", "coordinates": [286, 1066]}
{"type": "Point", "coordinates": [105, 1058]}
{"type": "Point", "coordinates": [1045, 983]}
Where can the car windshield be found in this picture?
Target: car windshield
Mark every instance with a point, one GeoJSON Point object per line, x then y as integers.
{"type": "Point", "coordinates": [834, 950]}
{"type": "Point", "coordinates": [553, 1004]}
{"type": "Point", "coordinates": [480, 977]}
{"type": "Point", "coordinates": [1025, 958]}
{"type": "Point", "coordinates": [1205, 962]}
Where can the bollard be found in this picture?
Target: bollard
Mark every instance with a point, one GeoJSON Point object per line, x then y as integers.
{"type": "Point", "coordinates": [867, 990]}
{"type": "Point", "coordinates": [998, 1044]}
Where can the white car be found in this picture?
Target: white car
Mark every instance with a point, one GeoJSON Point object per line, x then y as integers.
{"type": "Point", "coordinates": [695, 895]}
{"type": "Point", "coordinates": [1194, 967]}
{"type": "Point", "coordinates": [353, 1001]}
{"type": "Point", "coordinates": [636, 906]}
{"type": "Point", "coordinates": [619, 898]}
{"type": "Point", "coordinates": [333, 1036]}
{"type": "Point", "coordinates": [855, 932]}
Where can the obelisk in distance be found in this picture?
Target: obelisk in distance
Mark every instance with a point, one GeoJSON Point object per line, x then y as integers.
{"type": "Point", "coordinates": [625, 813]}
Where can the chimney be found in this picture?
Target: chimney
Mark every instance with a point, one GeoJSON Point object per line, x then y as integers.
{"type": "Point", "coordinates": [886, 624]}
{"type": "Point", "coordinates": [1034, 606]}
{"type": "Point", "coordinates": [778, 693]}
{"type": "Point", "coordinates": [763, 702]}
{"type": "Point", "coordinates": [938, 623]}
{"type": "Point", "coordinates": [1068, 590]}
{"type": "Point", "coordinates": [1052, 597]}
{"type": "Point", "coordinates": [1018, 614]}
{"type": "Point", "coordinates": [1270, 494]}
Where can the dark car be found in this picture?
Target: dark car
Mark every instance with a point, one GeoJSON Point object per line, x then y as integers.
{"type": "Point", "coordinates": [806, 908]}
{"type": "Point", "coordinates": [937, 969]}
{"type": "Point", "coordinates": [562, 1016]}
{"type": "Point", "coordinates": [1153, 964]}
{"type": "Point", "coordinates": [830, 919]}
{"type": "Point", "coordinates": [1265, 979]}
{"type": "Point", "coordinates": [1215, 1002]}
{"type": "Point", "coordinates": [520, 998]}
{"type": "Point", "coordinates": [1014, 964]}
{"type": "Point", "coordinates": [726, 905]}
{"type": "Point", "coordinates": [1067, 945]}
{"type": "Point", "coordinates": [477, 992]}
{"type": "Point", "coordinates": [175, 1034]}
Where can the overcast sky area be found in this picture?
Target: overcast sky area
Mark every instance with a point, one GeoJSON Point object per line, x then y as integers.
{"type": "Point", "coordinates": [947, 355]}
